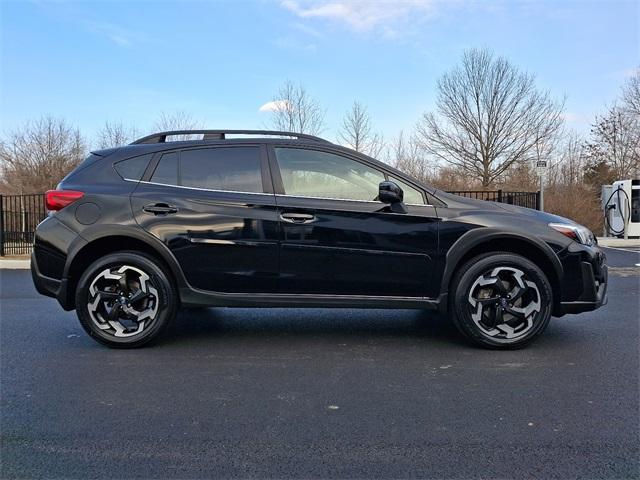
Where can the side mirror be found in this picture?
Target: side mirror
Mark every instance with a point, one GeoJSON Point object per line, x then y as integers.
{"type": "Point", "coordinates": [389, 192]}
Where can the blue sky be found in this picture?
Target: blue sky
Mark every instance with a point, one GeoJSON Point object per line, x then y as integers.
{"type": "Point", "coordinates": [91, 62]}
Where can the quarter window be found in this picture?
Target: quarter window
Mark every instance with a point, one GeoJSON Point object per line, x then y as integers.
{"type": "Point", "coordinates": [133, 168]}
{"type": "Point", "coordinates": [411, 195]}
{"type": "Point", "coordinates": [311, 173]}
{"type": "Point", "coordinates": [223, 168]}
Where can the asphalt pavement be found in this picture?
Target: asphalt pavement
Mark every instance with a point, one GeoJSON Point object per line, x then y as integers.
{"type": "Point", "coordinates": [319, 393]}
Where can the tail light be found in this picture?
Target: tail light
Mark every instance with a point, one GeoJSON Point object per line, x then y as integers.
{"type": "Point", "coordinates": [58, 199]}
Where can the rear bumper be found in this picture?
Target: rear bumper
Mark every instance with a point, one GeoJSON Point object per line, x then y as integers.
{"type": "Point", "coordinates": [44, 285]}
{"type": "Point", "coordinates": [51, 287]}
{"type": "Point", "coordinates": [49, 258]}
{"type": "Point", "coordinates": [594, 276]}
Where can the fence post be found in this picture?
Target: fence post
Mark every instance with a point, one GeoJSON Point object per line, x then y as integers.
{"type": "Point", "coordinates": [500, 196]}
{"type": "Point", "coordinates": [1, 226]}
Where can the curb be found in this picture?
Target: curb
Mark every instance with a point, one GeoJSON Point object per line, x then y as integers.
{"type": "Point", "coordinates": [618, 242]}
{"type": "Point", "coordinates": [15, 264]}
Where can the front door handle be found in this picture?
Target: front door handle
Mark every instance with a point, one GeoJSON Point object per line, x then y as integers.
{"type": "Point", "coordinates": [160, 209]}
{"type": "Point", "coordinates": [298, 218]}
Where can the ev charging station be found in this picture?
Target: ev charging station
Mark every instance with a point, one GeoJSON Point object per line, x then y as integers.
{"type": "Point", "coordinates": [621, 203]}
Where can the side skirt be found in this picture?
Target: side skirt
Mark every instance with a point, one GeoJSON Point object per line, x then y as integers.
{"type": "Point", "coordinates": [193, 297]}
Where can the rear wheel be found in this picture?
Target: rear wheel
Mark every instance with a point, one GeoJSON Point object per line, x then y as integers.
{"type": "Point", "coordinates": [125, 300]}
{"type": "Point", "coordinates": [501, 300]}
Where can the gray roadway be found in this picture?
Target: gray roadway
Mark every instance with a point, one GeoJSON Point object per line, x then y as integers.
{"type": "Point", "coordinates": [319, 393]}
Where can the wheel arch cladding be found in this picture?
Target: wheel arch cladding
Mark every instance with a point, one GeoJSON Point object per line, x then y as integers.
{"type": "Point", "coordinates": [107, 244]}
{"type": "Point", "coordinates": [477, 242]}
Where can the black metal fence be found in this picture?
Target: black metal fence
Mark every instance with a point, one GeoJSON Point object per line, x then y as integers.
{"type": "Point", "coordinates": [20, 214]}
{"type": "Point", "coordinates": [521, 199]}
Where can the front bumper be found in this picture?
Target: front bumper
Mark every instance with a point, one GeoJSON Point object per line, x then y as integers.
{"type": "Point", "coordinates": [594, 277]}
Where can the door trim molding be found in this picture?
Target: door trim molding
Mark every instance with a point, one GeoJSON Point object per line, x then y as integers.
{"type": "Point", "coordinates": [366, 251]}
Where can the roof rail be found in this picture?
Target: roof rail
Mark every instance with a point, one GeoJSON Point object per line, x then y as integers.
{"type": "Point", "coordinates": [221, 135]}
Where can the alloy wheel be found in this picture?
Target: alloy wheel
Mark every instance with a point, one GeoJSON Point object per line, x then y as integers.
{"type": "Point", "coordinates": [123, 301]}
{"type": "Point", "coordinates": [504, 304]}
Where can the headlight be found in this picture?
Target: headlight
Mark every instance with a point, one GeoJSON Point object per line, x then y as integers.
{"type": "Point", "coordinates": [575, 232]}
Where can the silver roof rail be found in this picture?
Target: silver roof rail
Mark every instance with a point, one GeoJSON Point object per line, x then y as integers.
{"type": "Point", "coordinates": [221, 135]}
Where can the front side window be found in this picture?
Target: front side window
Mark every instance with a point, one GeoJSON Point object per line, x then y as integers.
{"type": "Point", "coordinates": [311, 173]}
{"type": "Point", "coordinates": [235, 169]}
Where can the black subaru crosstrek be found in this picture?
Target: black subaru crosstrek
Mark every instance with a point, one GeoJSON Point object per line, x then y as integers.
{"type": "Point", "coordinates": [278, 219]}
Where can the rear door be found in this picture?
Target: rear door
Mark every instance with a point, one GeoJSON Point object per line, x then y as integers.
{"type": "Point", "coordinates": [215, 209]}
{"type": "Point", "coordinates": [337, 239]}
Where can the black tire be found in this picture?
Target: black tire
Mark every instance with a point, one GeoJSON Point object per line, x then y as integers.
{"type": "Point", "coordinates": [481, 300]}
{"type": "Point", "coordinates": [158, 300]}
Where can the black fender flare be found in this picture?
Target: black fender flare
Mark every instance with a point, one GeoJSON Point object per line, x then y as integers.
{"type": "Point", "coordinates": [478, 236]}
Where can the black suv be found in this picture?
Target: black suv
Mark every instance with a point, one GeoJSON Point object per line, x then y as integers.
{"type": "Point", "coordinates": [279, 219]}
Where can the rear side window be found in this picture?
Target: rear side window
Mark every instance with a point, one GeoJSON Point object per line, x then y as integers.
{"type": "Point", "coordinates": [133, 168]}
{"type": "Point", "coordinates": [234, 169]}
{"type": "Point", "coordinates": [167, 170]}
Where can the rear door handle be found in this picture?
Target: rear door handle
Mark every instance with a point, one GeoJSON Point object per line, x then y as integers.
{"type": "Point", "coordinates": [298, 217]}
{"type": "Point", "coordinates": [160, 209]}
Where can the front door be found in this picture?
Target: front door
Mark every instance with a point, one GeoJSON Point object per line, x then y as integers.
{"type": "Point", "coordinates": [337, 239]}
{"type": "Point", "coordinates": [210, 206]}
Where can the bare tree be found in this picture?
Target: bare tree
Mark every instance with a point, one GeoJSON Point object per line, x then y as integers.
{"type": "Point", "coordinates": [615, 143]}
{"type": "Point", "coordinates": [357, 132]}
{"type": "Point", "coordinates": [569, 168]}
{"type": "Point", "coordinates": [35, 157]}
{"type": "Point", "coordinates": [295, 111]}
{"type": "Point", "coordinates": [567, 193]}
{"type": "Point", "coordinates": [179, 120]}
{"type": "Point", "coordinates": [408, 156]}
{"type": "Point", "coordinates": [522, 175]}
{"type": "Point", "coordinates": [490, 116]}
{"type": "Point", "coordinates": [115, 134]}
{"type": "Point", "coordinates": [631, 94]}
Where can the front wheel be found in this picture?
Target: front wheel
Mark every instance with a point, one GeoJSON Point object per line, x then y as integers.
{"type": "Point", "coordinates": [125, 300]}
{"type": "Point", "coordinates": [501, 300]}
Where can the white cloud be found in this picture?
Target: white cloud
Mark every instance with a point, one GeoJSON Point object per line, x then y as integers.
{"type": "Point", "coordinates": [118, 35]}
{"type": "Point", "coordinates": [307, 30]}
{"type": "Point", "coordinates": [273, 106]}
{"type": "Point", "coordinates": [81, 14]}
{"type": "Point", "coordinates": [361, 15]}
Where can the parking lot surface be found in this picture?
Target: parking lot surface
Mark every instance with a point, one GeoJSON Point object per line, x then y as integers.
{"type": "Point", "coordinates": [319, 393]}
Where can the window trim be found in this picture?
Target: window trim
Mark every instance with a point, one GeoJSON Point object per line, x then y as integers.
{"type": "Point", "coordinates": [198, 188]}
{"type": "Point", "coordinates": [279, 185]}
